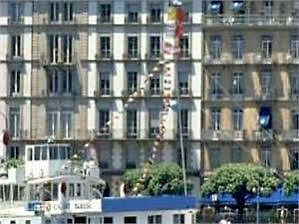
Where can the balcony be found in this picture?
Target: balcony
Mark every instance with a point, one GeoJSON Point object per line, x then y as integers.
{"type": "Point", "coordinates": [20, 134]}
{"type": "Point", "coordinates": [186, 132]}
{"type": "Point", "coordinates": [14, 58]}
{"type": "Point", "coordinates": [16, 21]}
{"type": "Point", "coordinates": [223, 135]}
{"type": "Point", "coordinates": [104, 133]}
{"type": "Point", "coordinates": [107, 19]}
{"type": "Point", "coordinates": [104, 56]}
{"type": "Point", "coordinates": [185, 54]}
{"type": "Point", "coordinates": [154, 55]}
{"type": "Point", "coordinates": [215, 96]}
{"type": "Point", "coordinates": [266, 95]}
{"type": "Point", "coordinates": [47, 61]}
{"type": "Point", "coordinates": [294, 95]}
{"type": "Point", "coordinates": [132, 55]}
{"type": "Point", "coordinates": [103, 93]}
{"type": "Point", "coordinates": [290, 135]}
{"type": "Point", "coordinates": [154, 92]}
{"type": "Point", "coordinates": [157, 19]}
{"type": "Point", "coordinates": [250, 20]}
{"type": "Point", "coordinates": [263, 135]}
{"type": "Point", "coordinates": [132, 19]}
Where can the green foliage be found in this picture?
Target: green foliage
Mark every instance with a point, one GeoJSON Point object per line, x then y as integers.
{"type": "Point", "coordinates": [13, 163]}
{"type": "Point", "coordinates": [239, 179]}
{"type": "Point", "coordinates": [291, 182]}
{"type": "Point", "coordinates": [163, 179]}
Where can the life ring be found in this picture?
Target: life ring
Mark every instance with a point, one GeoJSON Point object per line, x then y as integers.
{"type": "Point", "coordinates": [6, 137]}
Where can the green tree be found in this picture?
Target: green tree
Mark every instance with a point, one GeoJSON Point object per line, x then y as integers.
{"type": "Point", "coordinates": [239, 180]}
{"type": "Point", "coordinates": [163, 179]}
{"type": "Point", "coordinates": [291, 182]}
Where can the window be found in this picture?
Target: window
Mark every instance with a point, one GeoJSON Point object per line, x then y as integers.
{"type": "Point", "coordinates": [184, 77]}
{"type": "Point", "coordinates": [132, 123]}
{"type": "Point", "coordinates": [67, 81]}
{"type": "Point", "coordinates": [155, 85]}
{"type": "Point", "coordinates": [154, 219]}
{"type": "Point", "coordinates": [130, 220]}
{"type": "Point", "coordinates": [133, 10]}
{"type": "Point", "coordinates": [215, 154]}
{"type": "Point", "coordinates": [155, 13]}
{"type": "Point", "coordinates": [108, 220]}
{"type": "Point", "coordinates": [37, 153]}
{"type": "Point", "coordinates": [27, 222]}
{"type": "Point", "coordinates": [44, 153]}
{"type": "Point", "coordinates": [52, 123]}
{"type": "Point", "coordinates": [54, 11]}
{"type": "Point", "coordinates": [68, 11]}
{"type": "Point", "coordinates": [62, 152]}
{"type": "Point", "coordinates": [105, 13]}
{"type": "Point", "coordinates": [236, 154]}
{"type": "Point", "coordinates": [78, 190]}
{"type": "Point", "coordinates": [104, 117]}
{"type": "Point", "coordinates": [237, 119]}
{"type": "Point", "coordinates": [185, 121]}
{"type": "Point", "coordinates": [15, 82]}
{"type": "Point", "coordinates": [67, 124]}
{"type": "Point", "coordinates": [266, 156]}
{"type": "Point", "coordinates": [133, 47]}
{"type": "Point", "coordinates": [215, 47]}
{"type": "Point", "coordinates": [67, 48]}
{"type": "Point", "coordinates": [295, 85]}
{"type": "Point", "coordinates": [12, 222]}
{"type": "Point", "coordinates": [296, 121]}
{"type": "Point", "coordinates": [53, 48]}
{"type": "Point", "coordinates": [179, 219]}
{"type": "Point", "coordinates": [215, 119]}
{"type": "Point", "coordinates": [53, 82]}
{"type": "Point", "coordinates": [105, 83]}
{"type": "Point", "coordinates": [71, 190]}
{"type": "Point", "coordinates": [16, 46]}
{"type": "Point", "coordinates": [53, 152]}
{"type": "Point", "coordinates": [131, 156]}
{"type": "Point", "coordinates": [16, 11]}
{"type": "Point", "coordinates": [14, 152]}
{"type": "Point", "coordinates": [237, 83]}
{"type": "Point", "coordinates": [55, 191]}
{"type": "Point", "coordinates": [105, 155]}
{"type": "Point", "coordinates": [294, 159]}
{"type": "Point", "coordinates": [14, 121]}
{"type": "Point", "coordinates": [295, 46]}
{"type": "Point", "coordinates": [29, 154]}
{"type": "Point", "coordinates": [266, 47]}
{"type": "Point", "coordinates": [154, 119]}
{"type": "Point", "coordinates": [215, 85]}
{"type": "Point", "coordinates": [155, 46]}
{"type": "Point", "coordinates": [184, 46]}
{"type": "Point", "coordinates": [105, 47]}
{"type": "Point", "coordinates": [238, 45]}
{"type": "Point", "coordinates": [132, 81]}
{"type": "Point", "coordinates": [266, 80]}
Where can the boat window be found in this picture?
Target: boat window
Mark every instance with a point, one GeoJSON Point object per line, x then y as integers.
{"type": "Point", "coordinates": [62, 152]}
{"type": "Point", "coordinates": [22, 193]}
{"type": "Point", "coordinates": [7, 192]}
{"type": "Point", "coordinates": [130, 220]}
{"type": "Point", "coordinates": [27, 222]}
{"type": "Point", "coordinates": [53, 152]}
{"type": "Point", "coordinates": [44, 153]}
{"type": "Point", "coordinates": [78, 190]}
{"type": "Point", "coordinates": [55, 190]}
{"type": "Point", "coordinates": [13, 222]}
{"type": "Point", "coordinates": [71, 190]}
{"type": "Point", "coordinates": [37, 152]}
{"type": "Point", "coordinates": [29, 154]}
{"type": "Point", "coordinates": [108, 220]}
{"type": "Point", "coordinates": [69, 152]}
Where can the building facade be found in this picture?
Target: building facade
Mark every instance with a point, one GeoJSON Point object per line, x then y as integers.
{"type": "Point", "coordinates": [250, 83]}
{"type": "Point", "coordinates": [68, 68]}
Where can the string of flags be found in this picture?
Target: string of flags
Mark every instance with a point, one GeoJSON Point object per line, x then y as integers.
{"type": "Point", "coordinates": [176, 15]}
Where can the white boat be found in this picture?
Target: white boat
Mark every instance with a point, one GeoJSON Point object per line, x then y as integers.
{"type": "Point", "coordinates": [55, 186]}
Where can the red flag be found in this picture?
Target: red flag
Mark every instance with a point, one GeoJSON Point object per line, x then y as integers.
{"type": "Point", "coordinates": [180, 15]}
{"type": "Point", "coordinates": [179, 31]}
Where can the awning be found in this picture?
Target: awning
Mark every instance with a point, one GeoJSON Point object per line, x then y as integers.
{"type": "Point", "coordinates": [265, 118]}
